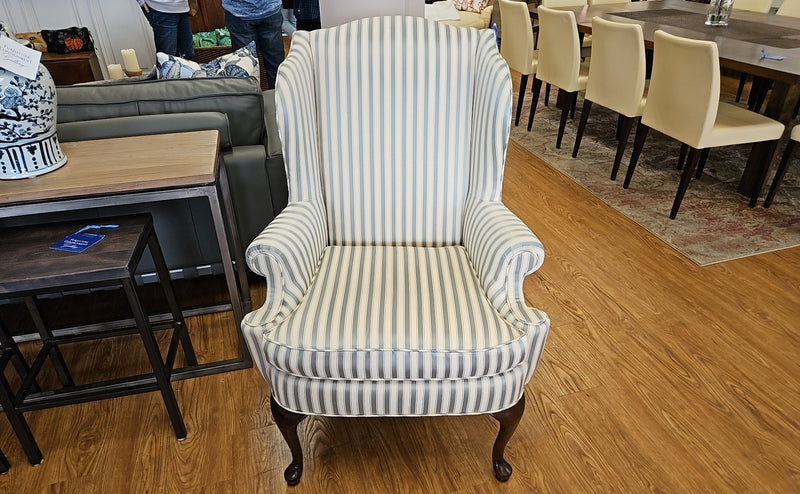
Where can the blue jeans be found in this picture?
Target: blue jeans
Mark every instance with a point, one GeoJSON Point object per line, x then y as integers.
{"type": "Point", "coordinates": [171, 33]}
{"type": "Point", "coordinates": [267, 34]}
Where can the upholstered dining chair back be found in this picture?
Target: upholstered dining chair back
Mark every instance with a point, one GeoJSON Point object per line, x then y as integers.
{"type": "Point", "coordinates": [554, 4]}
{"type": "Point", "coordinates": [559, 49]}
{"type": "Point", "coordinates": [761, 6]}
{"type": "Point", "coordinates": [603, 2]}
{"type": "Point", "coordinates": [389, 151]}
{"type": "Point", "coordinates": [517, 44]}
{"type": "Point", "coordinates": [683, 96]}
{"type": "Point", "coordinates": [789, 8]}
{"type": "Point", "coordinates": [617, 68]}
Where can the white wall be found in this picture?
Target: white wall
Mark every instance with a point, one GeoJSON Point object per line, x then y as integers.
{"type": "Point", "coordinates": [114, 24]}
{"type": "Point", "coordinates": [335, 12]}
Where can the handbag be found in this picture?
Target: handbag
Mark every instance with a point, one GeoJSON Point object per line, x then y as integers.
{"type": "Point", "coordinates": [68, 40]}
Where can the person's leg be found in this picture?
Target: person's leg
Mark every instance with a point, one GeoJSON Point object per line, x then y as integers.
{"type": "Point", "coordinates": [289, 22]}
{"type": "Point", "coordinates": [184, 37]}
{"type": "Point", "coordinates": [165, 31]}
{"type": "Point", "coordinates": [242, 32]}
{"type": "Point", "coordinates": [270, 45]}
{"type": "Point", "coordinates": [308, 24]}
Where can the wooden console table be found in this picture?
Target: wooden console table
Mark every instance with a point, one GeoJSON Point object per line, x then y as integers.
{"type": "Point", "coordinates": [73, 68]}
{"type": "Point", "coordinates": [141, 170]}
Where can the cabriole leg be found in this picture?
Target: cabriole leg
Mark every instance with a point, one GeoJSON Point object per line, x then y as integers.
{"type": "Point", "coordinates": [509, 420]}
{"type": "Point", "coordinates": [287, 423]}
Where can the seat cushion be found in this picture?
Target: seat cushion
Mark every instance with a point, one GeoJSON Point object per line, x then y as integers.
{"type": "Point", "coordinates": [395, 312]}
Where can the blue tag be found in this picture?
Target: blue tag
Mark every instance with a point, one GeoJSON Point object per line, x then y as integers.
{"type": "Point", "coordinates": [80, 241]}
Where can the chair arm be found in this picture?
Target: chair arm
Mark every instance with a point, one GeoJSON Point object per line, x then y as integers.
{"type": "Point", "coordinates": [503, 251]}
{"type": "Point", "coordinates": [287, 254]}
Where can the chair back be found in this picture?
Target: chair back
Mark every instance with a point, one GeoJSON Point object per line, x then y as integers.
{"type": "Point", "coordinates": [617, 67]}
{"type": "Point", "coordinates": [789, 8]}
{"type": "Point", "coordinates": [392, 125]}
{"type": "Point", "coordinates": [554, 4]}
{"type": "Point", "coordinates": [761, 6]}
{"type": "Point", "coordinates": [604, 2]}
{"type": "Point", "coordinates": [559, 49]}
{"type": "Point", "coordinates": [516, 47]}
{"type": "Point", "coordinates": [683, 96]}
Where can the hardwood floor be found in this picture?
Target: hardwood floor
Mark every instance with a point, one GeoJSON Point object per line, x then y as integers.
{"type": "Point", "coordinates": [658, 376]}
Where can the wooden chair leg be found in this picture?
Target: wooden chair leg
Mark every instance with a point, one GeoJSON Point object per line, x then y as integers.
{"type": "Point", "coordinates": [535, 90]}
{"type": "Point", "coordinates": [780, 172]}
{"type": "Point", "coordinates": [565, 102]}
{"type": "Point", "coordinates": [509, 420]}
{"type": "Point", "coordinates": [702, 163]}
{"type": "Point", "coordinates": [638, 144]}
{"type": "Point", "coordinates": [587, 107]}
{"type": "Point", "coordinates": [626, 124]}
{"type": "Point", "coordinates": [547, 94]}
{"type": "Point", "coordinates": [686, 177]}
{"type": "Point", "coordinates": [773, 147]}
{"type": "Point", "coordinates": [682, 156]}
{"type": "Point", "coordinates": [523, 84]}
{"type": "Point", "coordinates": [287, 423]}
{"type": "Point", "coordinates": [4, 464]}
{"type": "Point", "coordinates": [742, 82]}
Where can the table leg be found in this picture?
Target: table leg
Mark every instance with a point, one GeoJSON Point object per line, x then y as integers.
{"type": "Point", "coordinates": [154, 355]}
{"type": "Point", "coordinates": [231, 277]}
{"type": "Point", "coordinates": [780, 107]}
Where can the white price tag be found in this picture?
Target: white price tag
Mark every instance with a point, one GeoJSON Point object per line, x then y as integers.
{"type": "Point", "coordinates": [19, 59]}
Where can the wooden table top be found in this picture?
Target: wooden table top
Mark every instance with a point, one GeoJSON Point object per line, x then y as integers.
{"type": "Point", "coordinates": [739, 43]}
{"type": "Point", "coordinates": [29, 262]}
{"type": "Point", "coordinates": [126, 164]}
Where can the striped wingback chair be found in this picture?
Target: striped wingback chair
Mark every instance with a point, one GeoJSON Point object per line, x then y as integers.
{"type": "Point", "coordinates": [394, 275]}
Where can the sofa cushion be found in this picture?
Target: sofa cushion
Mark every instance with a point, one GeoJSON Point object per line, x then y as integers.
{"type": "Point", "coordinates": [239, 98]}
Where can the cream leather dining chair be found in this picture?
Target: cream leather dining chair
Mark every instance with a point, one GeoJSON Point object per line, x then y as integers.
{"type": "Point", "coordinates": [586, 39]}
{"type": "Point", "coordinates": [516, 47]}
{"type": "Point", "coordinates": [789, 8]}
{"type": "Point", "coordinates": [781, 171]}
{"type": "Point", "coordinates": [758, 86]}
{"type": "Point", "coordinates": [692, 113]}
{"type": "Point", "coordinates": [559, 62]}
{"type": "Point", "coordinates": [616, 79]}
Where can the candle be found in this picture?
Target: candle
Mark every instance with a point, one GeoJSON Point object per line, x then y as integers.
{"type": "Point", "coordinates": [129, 60]}
{"type": "Point", "coordinates": [115, 71]}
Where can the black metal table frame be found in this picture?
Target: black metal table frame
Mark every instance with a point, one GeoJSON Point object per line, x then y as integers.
{"type": "Point", "coordinates": [227, 239]}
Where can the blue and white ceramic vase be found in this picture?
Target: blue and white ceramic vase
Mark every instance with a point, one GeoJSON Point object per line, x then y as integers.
{"type": "Point", "coordinates": [28, 141]}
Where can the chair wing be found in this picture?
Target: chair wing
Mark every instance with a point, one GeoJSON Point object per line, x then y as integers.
{"type": "Point", "coordinates": [683, 96]}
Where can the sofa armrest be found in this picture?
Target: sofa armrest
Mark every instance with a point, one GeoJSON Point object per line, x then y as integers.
{"type": "Point", "coordinates": [273, 139]}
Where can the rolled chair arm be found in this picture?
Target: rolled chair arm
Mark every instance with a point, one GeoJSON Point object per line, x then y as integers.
{"type": "Point", "coordinates": [503, 251]}
{"type": "Point", "coordinates": [287, 254]}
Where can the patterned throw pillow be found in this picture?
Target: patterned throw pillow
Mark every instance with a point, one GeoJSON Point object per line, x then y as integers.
{"type": "Point", "coordinates": [241, 63]}
{"type": "Point", "coordinates": [471, 5]}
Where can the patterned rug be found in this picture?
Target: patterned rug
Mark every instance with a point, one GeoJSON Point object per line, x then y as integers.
{"type": "Point", "coordinates": [714, 223]}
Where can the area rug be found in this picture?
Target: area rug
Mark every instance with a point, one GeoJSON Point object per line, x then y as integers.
{"type": "Point", "coordinates": [714, 223]}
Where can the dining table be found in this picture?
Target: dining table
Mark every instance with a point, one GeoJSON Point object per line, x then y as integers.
{"type": "Point", "coordinates": [764, 45]}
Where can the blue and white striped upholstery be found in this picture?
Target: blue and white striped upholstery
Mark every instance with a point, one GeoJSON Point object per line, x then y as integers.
{"type": "Point", "coordinates": [394, 276]}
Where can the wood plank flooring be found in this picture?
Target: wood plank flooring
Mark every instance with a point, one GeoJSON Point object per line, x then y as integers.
{"type": "Point", "coordinates": [658, 376]}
